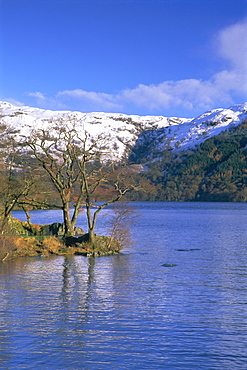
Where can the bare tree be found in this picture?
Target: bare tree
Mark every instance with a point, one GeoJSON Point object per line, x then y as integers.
{"type": "Point", "coordinates": [16, 181]}
{"type": "Point", "coordinates": [57, 151]}
{"type": "Point", "coordinates": [123, 215]}
{"type": "Point", "coordinates": [118, 178]}
{"type": "Point", "coordinates": [79, 166]}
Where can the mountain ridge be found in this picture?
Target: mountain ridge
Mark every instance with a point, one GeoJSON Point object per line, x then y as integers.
{"type": "Point", "coordinates": [155, 133]}
{"type": "Point", "coordinates": [198, 159]}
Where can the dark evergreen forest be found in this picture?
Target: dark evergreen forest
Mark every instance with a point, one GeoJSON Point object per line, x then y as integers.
{"type": "Point", "coordinates": [216, 171]}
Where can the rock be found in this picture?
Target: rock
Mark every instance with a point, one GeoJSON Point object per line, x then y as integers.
{"type": "Point", "coordinates": [168, 265]}
{"type": "Point", "coordinates": [55, 229]}
{"type": "Point", "coordinates": [58, 229]}
{"type": "Point", "coordinates": [76, 240]}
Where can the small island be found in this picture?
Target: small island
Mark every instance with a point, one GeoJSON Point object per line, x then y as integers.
{"type": "Point", "coordinates": [60, 168]}
{"type": "Point", "coordinates": [29, 240]}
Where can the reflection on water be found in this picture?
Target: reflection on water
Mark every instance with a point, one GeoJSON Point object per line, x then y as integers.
{"type": "Point", "coordinates": [130, 311]}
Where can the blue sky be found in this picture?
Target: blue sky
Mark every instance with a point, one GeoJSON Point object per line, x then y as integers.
{"type": "Point", "coordinates": [158, 57]}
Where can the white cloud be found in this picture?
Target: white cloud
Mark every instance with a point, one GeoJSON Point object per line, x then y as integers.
{"type": "Point", "coordinates": [203, 94]}
{"type": "Point", "coordinates": [38, 95]}
{"type": "Point", "coordinates": [232, 45]}
{"type": "Point", "coordinates": [46, 102]}
{"type": "Point", "coordinates": [189, 95]}
{"type": "Point", "coordinates": [14, 102]}
{"type": "Point", "coordinates": [231, 81]}
{"type": "Point", "coordinates": [97, 100]}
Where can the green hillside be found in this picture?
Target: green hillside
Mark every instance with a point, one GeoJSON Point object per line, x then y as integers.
{"type": "Point", "coordinates": [217, 171]}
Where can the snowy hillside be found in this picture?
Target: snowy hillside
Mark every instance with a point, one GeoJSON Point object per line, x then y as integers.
{"type": "Point", "coordinates": [155, 132]}
{"type": "Point", "coordinates": [191, 133]}
{"type": "Point", "coordinates": [208, 124]}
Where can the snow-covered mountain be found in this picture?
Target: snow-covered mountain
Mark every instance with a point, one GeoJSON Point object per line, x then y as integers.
{"type": "Point", "coordinates": [154, 132]}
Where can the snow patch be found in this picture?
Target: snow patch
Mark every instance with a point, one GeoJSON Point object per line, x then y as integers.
{"type": "Point", "coordinates": [159, 132]}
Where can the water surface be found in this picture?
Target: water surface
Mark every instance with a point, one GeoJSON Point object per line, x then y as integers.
{"type": "Point", "coordinates": [175, 299]}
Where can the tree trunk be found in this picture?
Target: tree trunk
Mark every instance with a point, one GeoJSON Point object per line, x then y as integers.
{"type": "Point", "coordinates": [69, 229]}
{"type": "Point", "coordinates": [91, 226]}
{"type": "Point", "coordinates": [92, 238]}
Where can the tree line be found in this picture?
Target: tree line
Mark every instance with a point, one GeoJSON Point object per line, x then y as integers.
{"type": "Point", "coordinates": [64, 167]}
{"type": "Point", "coordinates": [61, 167]}
{"type": "Point", "coordinates": [215, 171]}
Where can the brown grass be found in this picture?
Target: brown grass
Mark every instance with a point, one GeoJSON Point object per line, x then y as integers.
{"type": "Point", "coordinates": [27, 246]}
{"type": "Point", "coordinates": [7, 247]}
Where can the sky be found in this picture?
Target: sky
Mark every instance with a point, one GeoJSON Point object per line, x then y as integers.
{"type": "Point", "coordinates": [145, 57]}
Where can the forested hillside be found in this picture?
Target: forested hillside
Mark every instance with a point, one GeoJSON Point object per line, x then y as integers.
{"type": "Point", "coordinates": [157, 158]}
{"type": "Point", "coordinates": [217, 171]}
